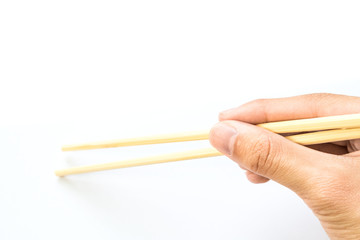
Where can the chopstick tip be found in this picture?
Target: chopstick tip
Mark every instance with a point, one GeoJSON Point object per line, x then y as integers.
{"type": "Point", "coordinates": [59, 173]}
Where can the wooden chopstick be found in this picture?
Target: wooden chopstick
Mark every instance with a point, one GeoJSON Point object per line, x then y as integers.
{"type": "Point", "coordinates": [344, 127]}
{"type": "Point", "coordinates": [304, 139]}
{"type": "Point", "coordinates": [168, 138]}
{"type": "Point", "coordinates": [314, 124]}
{"type": "Point", "coordinates": [302, 125]}
{"type": "Point", "coordinates": [325, 136]}
{"type": "Point", "coordinates": [194, 154]}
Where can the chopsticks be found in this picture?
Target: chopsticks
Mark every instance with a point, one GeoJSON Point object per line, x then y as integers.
{"type": "Point", "coordinates": [168, 138]}
{"type": "Point", "coordinates": [327, 129]}
{"type": "Point", "coordinates": [172, 157]}
{"type": "Point", "coordinates": [314, 124]}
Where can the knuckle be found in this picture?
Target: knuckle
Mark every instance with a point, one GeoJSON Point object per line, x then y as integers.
{"type": "Point", "coordinates": [259, 103]}
{"type": "Point", "coordinates": [261, 106]}
{"type": "Point", "coordinates": [319, 96]}
{"type": "Point", "coordinates": [262, 155]}
{"type": "Point", "coordinates": [317, 101]}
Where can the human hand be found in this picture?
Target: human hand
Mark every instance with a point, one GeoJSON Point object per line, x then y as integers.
{"type": "Point", "coordinates": [325, 176]}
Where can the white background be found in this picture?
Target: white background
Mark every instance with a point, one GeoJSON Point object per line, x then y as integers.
{"type": "Point", "coordinates": [73, 71]}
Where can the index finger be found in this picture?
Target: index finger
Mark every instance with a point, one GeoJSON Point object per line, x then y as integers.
{"type": "Point", "coordinates": [291, 108]}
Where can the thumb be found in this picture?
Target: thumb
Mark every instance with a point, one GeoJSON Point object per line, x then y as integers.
{"type": "Point", "coordinates": [268, 154]}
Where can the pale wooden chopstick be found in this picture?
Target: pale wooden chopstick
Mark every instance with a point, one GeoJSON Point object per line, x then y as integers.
{"type": "Point", "coordinates": [302, 125]}
{"type": "Point", "coordinates": [325, 136]}
{"type": "Point", "coordinates": [166, 138]}
{"type": "Point", "coordinates": [304, 139]}
{"type": "Point", "coordinates": [194, 154]}
{"type": "Point", "coordinates": [314, 124]}
{"type": "Point", "coordinates": [352, 132]}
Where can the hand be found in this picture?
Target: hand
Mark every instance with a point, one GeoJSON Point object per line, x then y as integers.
{"type": "Point", "coordinates": [326, 176]}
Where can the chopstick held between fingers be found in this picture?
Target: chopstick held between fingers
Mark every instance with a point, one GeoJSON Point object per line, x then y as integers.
{"type": "Point", "coordinates": [301, 125]}
{"type": "Point", "coordinates": [344, 127]}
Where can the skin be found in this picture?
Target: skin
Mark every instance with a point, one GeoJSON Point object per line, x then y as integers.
{"type": "Point", "coordinates": [326, 176]}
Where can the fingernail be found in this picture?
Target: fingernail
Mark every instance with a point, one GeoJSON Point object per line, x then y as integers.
{"type": "Point", "coordinates": [226, 112]}
{"type": "Point", "coordinates": [222, 138]}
